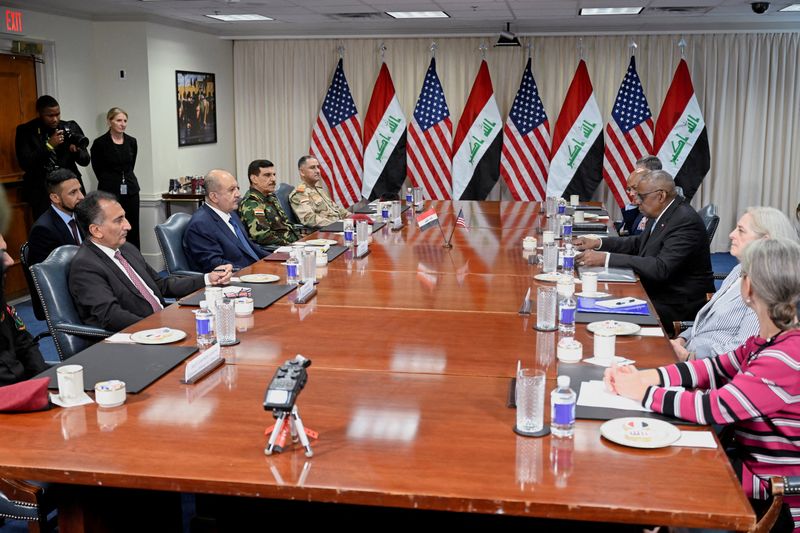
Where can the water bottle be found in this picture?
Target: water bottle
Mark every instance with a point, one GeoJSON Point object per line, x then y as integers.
{"type": "Point", "coordinates": [566, 228]}
{"type": "Point", "coordinates": [204, 326]}
{"type": "Point", "coordinates": [566, 309]}
{"type": "Point", "coordinates": [568, 267]}
{"type": "Point", "coordinates": [562, 409]}
{"type": "Point", "coordinates": [562, 206]}
{"type": "Point", "coordinates": [292, 269]}
{"type": "Point", "coordinates": [409, 195]}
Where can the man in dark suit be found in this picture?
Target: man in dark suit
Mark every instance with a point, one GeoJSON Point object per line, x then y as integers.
{"type": "Point", "coordinates": [215, 235]}
{"type": "Point", "coordinates": [671, 255]}
{"type": "Point", "coordinates": [110, 282]}
{"type": "Point", "coordinates": [57, 226]}
{"type": "Point", "coordinates": [45, 144]}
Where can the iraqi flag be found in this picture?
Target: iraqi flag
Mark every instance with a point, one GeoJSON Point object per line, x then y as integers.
{"type": "Point", "coordinates": [478, 142]}
{"type": "Point", "coordinates": [576, 163]}
{"type": "Point", "coordinates": [427, 219]}
{"type": "Point", "coordinates": [681, 140]}
{"type": "Point", "coordinates": [384, 140]}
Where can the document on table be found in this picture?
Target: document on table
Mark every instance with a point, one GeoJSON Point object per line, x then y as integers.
{"type": "Point", "coordinates": [696, 439]}
{"type": "Point", "coordinates": [651, 332]}
{"type": "Point", "coordinates": [594, 394]}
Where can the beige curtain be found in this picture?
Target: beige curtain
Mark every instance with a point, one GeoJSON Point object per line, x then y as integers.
{"type": "Point", "coordinates": [748, 86]}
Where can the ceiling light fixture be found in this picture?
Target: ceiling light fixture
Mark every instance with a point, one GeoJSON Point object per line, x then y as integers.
{"type": "Point", "coordinates": [790, 8]}
{"type": "Point", "coordinates": [238, 18]}
{"type": "Point", "coordinates": [611, 10]}
{"type": "Point", "coordinates": [418, 14]}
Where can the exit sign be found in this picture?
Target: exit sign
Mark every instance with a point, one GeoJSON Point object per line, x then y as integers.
{"type": "Point", "coordinates": [13, 20]}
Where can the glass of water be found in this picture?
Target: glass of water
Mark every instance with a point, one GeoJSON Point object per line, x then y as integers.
{"type": "Point", "coordinates": [546, 303]}
{"type": "Point", "coordinates": [530, 400]}
{"type": "Point", "coordinates": [417, 197]}
{"type": "Point", "coordinates": [226, 322]}
{"type": "Point", "coordinates": [362, 231]}
{"type": "Point", "coordinates": [309, 269]}
{"type": "Point", "coordinates": [551, 204]}
{"type": "Point", "coordinates": [549, 257]}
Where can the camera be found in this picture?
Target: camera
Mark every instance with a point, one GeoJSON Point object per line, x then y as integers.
{"type": "Point", "coordinates": [72, 134]}
{"type": "Point", "coordinates": [286, 384]}
{"type": "Point", "coordinates": [759, 8]}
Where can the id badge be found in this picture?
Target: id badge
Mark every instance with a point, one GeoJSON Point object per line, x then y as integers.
{"type": "Point", "coordinates": [123, 189]}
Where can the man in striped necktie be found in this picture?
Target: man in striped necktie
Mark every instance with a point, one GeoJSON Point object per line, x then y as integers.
{"type": "Point", "coordinates": [110, 282]}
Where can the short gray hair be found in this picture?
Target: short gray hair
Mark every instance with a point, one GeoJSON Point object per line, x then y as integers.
{"type": "Point", "coordinates": [771, 223]}
{"type": "Point", "coordinates": [650, 162]}
{"type": "Point", "coordinates": [211, 180]}
{"type": "Point", "coordinates": [773, 267]}
{"type": "Point", "coordinates": [662, 180]}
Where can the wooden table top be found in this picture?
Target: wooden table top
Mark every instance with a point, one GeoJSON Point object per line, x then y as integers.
{"type": "Point", "coordinates": [408, 390]}
{"type": "Point", "coordinates": [438, 442]}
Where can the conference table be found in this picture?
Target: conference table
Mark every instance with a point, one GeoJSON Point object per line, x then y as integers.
{"type": "Point", "coordinates": [412, 348]}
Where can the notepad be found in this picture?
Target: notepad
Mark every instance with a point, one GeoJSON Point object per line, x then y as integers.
{"type": "Point", "coordinates": [590, 305]}
{"type": "Point", "coordinates": [594, 394]}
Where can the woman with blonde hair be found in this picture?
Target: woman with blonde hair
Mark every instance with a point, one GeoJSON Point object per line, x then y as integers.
{"type": "Point", "coordinates": [113, 159]}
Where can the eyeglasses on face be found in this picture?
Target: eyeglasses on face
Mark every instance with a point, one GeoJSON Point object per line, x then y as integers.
{"type": "Point", "coordinates": [642, 195]}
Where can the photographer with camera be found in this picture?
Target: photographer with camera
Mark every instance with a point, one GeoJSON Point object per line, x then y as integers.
{"type": "Point", "coordinates": [45, 144]}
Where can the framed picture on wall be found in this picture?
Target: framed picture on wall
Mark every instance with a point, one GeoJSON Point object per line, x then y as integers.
{"type": "Point", "coordinates": [197, 107]}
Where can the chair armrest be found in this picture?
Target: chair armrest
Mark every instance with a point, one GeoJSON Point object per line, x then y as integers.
{"type": "Point", "coordinates": [681, 325]}
{"type": "Point", "coordinates": [83, 331]}
{"type": "Point", "coordinates": [719, 276]}
{"type": "Point", "coordinates": [187, 273]}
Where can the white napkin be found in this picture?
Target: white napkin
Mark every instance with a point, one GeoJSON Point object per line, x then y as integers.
{"type": "Point", "coordinates": [80, 400]}
{"type": "Point", "coordinates": [621, 361]}
{"type": "Point", "coordinates": [696, 439]}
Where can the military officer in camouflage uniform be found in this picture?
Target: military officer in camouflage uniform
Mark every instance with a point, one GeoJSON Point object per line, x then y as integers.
{"type": "Point", "coordinates": [261, 211]}
{"type": "Point", "coordinates": [312, 205]}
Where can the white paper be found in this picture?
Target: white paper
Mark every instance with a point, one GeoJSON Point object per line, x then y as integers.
{"type": "Point", "coordinates": [199, 363]}
{"type": "Point", "coordinates": [620, 303]}
{"type": "Point", "coordinates": [594, 394]}
{"type": "Point", "coordinates": [234, 279]}
{"type": "Point", "coordinates": [651, 332]}
{"type": "Point", "coordinates": [362, 249]}
{"type": "Point", "coordinates": [124, 338]}
{"type": "Point", "coordinates": [620, 361]}
{"type": "Point", "coordinates": [80, 400]}
{"type": "Point", "coordinates": [283, 249]}
{"type": "Point", "coordinates": [696, 439]}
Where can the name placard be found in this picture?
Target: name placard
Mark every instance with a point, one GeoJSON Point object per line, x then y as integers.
{"type": "Point", "coordinates": [362, 250]}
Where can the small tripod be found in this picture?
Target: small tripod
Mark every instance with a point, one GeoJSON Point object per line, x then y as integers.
{"type": "Point", "coordinates": [288, 423]}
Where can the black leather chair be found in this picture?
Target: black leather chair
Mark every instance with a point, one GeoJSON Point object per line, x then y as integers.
{"type": "Point", "coordinates": [36, 304]}
{"type": "Point", "coordinates": [50, 277]}
{"type": "Point", "coordinates": [283, 191]}
{"type": "Point", "coordinates": [170, 240]}
{"type": "Point", "coordinates": [774, 517]}
{"type": "Point", "coordinates": [710, 219]}
{"type": "Point", "coordinates": [25, 500]}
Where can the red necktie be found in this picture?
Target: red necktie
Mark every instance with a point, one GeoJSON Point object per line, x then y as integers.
{"type": "Point", "coordinates": [137, 282]}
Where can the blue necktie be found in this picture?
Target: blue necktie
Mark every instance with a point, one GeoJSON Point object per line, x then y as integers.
{"type": "Point", "coordinates": [243, 240]}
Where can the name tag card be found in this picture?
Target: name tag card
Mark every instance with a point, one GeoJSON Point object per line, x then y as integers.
{"type": "Point", "coordinates": [362, 250]}
{"type": "Point", "coordinates": [304, 293]}
{"type": "Point", "coordinates": [202, 365]}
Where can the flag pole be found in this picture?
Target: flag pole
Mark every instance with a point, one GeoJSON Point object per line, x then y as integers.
{"type": "Point", "coordinates": [383, 49]}
{"type": "Point", "coordinates": [447, 243]}
{"type": "Point", "coordinates": [434, 46]}
{"type": "Point", "coordinates": [340, 49]}
{"type": "Point", "coordinates": [633, 46]}
{"type": "Point", "coordinates": [682, 47]}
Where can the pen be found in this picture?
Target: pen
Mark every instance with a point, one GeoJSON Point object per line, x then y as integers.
{"type": "Point", "coordinates": [220, 270]}
{"type": "Point", "coordinates": [625, 302]}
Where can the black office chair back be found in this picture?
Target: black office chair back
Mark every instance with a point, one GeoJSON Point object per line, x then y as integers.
{"type": "Point", "coordinates": [284, 189]}
{"type": "Point", "coordinates": [38, 312]}
{"type": "Point", "coordinates": [170, 240]}
{"type": "Point", "coordinates": [710, 220]}
{"type": "Point", "coordinates": [51, 277]}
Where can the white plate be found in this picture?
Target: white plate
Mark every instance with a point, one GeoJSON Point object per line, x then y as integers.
{"type": "Point", "coordinates": [617, 326]}
{"type": "Point", "coordinates": [321, 242]}
{"type": "Point", "coordinates": [552, 277]}
{"type": "Point", "coordinates": [592, 294]}
{"type": "Point", "coordinates": [638, 432]}
{"type": "Point", "coordinates": [158, 336]}
{"type": "Point", "coordinates": [260, 278]}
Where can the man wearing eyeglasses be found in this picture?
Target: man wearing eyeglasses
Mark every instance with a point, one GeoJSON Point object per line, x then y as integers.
{"type": "Point", "coordinates": [671, 256]}
{"type": "Point", "coordinates": [633, 221]}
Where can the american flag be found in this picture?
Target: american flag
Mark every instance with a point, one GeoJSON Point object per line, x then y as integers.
{"type": "Point", "coordinates": [336, 141]}
{"type": "Point", "coordinates": [461, 221]}
{"type": "Point", "coordinates": [430, 140]}
{"type": "Point", "coordinates": [526, 143]}
{"type": "Point", "coordinates": [629, 134]}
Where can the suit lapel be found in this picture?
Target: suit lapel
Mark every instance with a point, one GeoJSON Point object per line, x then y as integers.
{"type": "Point", "coordinates": [655, 236]}
{"type": "Point", "coordinates": [58, 223]}
{"type": "Point", "coordinates": [120, 275]}
{"type": "Point", "coordinates": [226, 229]}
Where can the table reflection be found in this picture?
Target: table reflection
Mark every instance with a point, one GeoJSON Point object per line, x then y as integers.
{"type": "Point", "coordinates": [396, 425]}
{"type": "Point", "coordinates": [530, 461]}
{"type": "Point", "coordinates": [73, 422]}
{"type": "Point", "coordinates": [178, 411]}
{"type": "Point", "coordinates": [109, 418]}
{"type": "Point", "coordinates": [426, 359]}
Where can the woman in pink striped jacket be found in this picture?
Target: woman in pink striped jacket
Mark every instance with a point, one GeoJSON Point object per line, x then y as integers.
{"type": "Point", "coordinates": [755, 388]}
